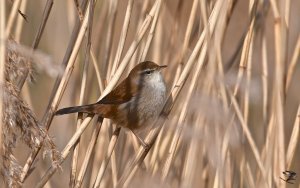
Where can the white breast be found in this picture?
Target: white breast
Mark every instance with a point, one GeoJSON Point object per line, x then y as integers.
{"type": "Point", "coordinates": [154, 95]}
{"type": "Point", "coordinates": [147, 105]}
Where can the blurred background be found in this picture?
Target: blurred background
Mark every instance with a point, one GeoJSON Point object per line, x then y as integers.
{"type": "Point", "coordinates": [248, 78]}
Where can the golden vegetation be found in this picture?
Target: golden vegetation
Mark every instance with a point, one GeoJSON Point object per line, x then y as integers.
{"type": "Point", "coordinates": [231, 119]}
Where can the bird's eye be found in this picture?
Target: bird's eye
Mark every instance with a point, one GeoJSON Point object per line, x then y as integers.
{"type": "Point", "coordinates": [148, 72]}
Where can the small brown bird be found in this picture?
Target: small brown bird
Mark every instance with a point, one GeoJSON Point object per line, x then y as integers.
{"type": "Point", "coordinates": [135, 103]}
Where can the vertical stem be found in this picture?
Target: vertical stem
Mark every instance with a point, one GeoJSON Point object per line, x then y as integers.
{"type": "Point", "coordinates": [106, 160]}
{"type": "Point", "coordinates": [82, 91]}
{"type": "Point", "coordinates": [110, 29]}
{"type": "Point", "coordinates": [54, 102]}
{"type": "Point", "coordinates": [2, 62]}
{"type": "Point", "coordinates": [12, 16]}
{"type": "Point", "coordinates": [280, 51]}
{"type": "Point", "coordinates": [265, 76]}
{"type": "Point", "coordinates": [20, 21]}
{"type": "Point", "coordinates": [151, 32]}
{"type": "Point", "coordinates": [122, 37]}
{"type": "Point", "coordinates": [38, 36]}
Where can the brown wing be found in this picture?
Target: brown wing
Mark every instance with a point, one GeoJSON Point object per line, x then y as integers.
{"type": "Point", "coordinates": [121, 94]}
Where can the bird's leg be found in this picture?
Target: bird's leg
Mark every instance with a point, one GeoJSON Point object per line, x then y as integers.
{"type": "Point", "coordinates": [142, 142]}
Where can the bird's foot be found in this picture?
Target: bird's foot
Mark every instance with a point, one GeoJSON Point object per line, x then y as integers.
{"type": "Point", "coordinates": [145, 145]}
{"type": "Point", "coordinates": [142, 142]}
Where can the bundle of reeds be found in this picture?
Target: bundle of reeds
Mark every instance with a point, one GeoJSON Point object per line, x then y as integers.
{"type": "Point", "coordinates": [232, 114]}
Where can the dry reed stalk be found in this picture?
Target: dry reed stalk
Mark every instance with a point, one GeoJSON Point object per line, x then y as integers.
{"type": "Point", "coordinates": [38, 35]}
{"type": "Point", "coordinates": [280, 57]}
{"type": "Point", "coordinates": [223, 179]}
{"type": "Point", "coordinates": [130, 51]}
{"type": "Point", "coordinates": [65, 152]}
{"type": "Point", "coordinates": [180, 124]}
{"type": "Point", "coordinates": [63, 82]}
{"type": "Point", "coordinates": [248, 79]}
{"type": "Point", "coordinates": [249, 138]}
{"type": "Point", "coordinates": [157, 43]}
{"type": "Point", "coordinates": [216, 46]}
{"type": "Point", "coordinates": [78, 123]}
{"type": "Point", "coordinates": [249, 176]}
{"type": "Point", "coordinates": [98, 74]}
{"type": "Point", "coordinates": [115, 65]}
{"type": "Point", "coordinates": [245, 51]}
{"type": "Point", "coordinates": [138, 23]}
{"type": "Point", "coordinates": [268, 148]}
{"type": "Point", "coordinates": [18, 32]}
{"type": "Point", "coordinates": [132, 48]}
{"type": "Point", "coordinates": [87, 157]}
{"type": "Point", "coordinates": [36, 41]}
{"type": "Point", "coordinates": [111, 16]}
{"type": "Point", "coordinates": [20, 21]}
{"type": "Point", "coordinates": [82, 92]}
{"type": "Point", "coordinates": [145, 50]}
{"type": "Point", "coordinates": [242, 167]}
{"type": "Point", "coordinates": [183, 112]}
{"type": "Point", "coordinates": [151, 32]}
{"type": "Point", "coordinates": [65, 61]}
{"type": "Point", "coordinates": [193, 150]}
{"type": "Point", "coordinates": [12, 16]}
{"type": "Point", "coordinates": [188, 32]}
{"type": "Point", "coordinates": [225, 149]}
{"type": "Point", "coordinates": [204, 12]}
{"type": "Point", "coordinates": [45, 17]}
{"type": "Point", "coordinates": [109, 87]}
{"type": "Point", "coordinates": [268, 121]}
{"type": "Point", "coordinates": [102, 143]}
{"type": "Point", "coordinates": [287, 12]}
{"type": "Point", "coordinates": [248, 58]}
{"type": "Point", "coordinates": [161, 146]}
{"type": "Point", "coordinates": [2, 67]}
{"type": "Point", "coordinates": [292, 65]}
{"type": "Point", "coordinates": [106, 160]}
{"type": "Point", "coordinates": [228, 171]}
{"type": "Point", "coordinates": [217, 179]}
{"type": "Point", "coordinates": [69, 68]}
{"type": "Point", "coordinates": [293, 141]}
{"type": "Point", "coordinates": [122, 37]}
{"type": "Point", "coordinates": [186, 20]}
{"type": "Point", "coordinates": [174, 93]}
{"type": "Point", "coordinates": [265, 75]}
{"type": "Point", "coordinates": [156, 9]}
{"type": "Point", "coordinates": [114, 168]}
{"type": "Point", "coordinates": [155, 151]}
{"type": "Point", "coordinates": [177, 75]}
{"type": "Point", "coordinates": [19, 120]}
{"type": "Point", "coordinates": [46, 120]}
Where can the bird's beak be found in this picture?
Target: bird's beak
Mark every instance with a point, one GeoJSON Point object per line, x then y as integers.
{"type": "Point", "coordinates": [163, 66]}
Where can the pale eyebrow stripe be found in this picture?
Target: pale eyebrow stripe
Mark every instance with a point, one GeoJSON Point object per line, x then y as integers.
{"type": "Point", "coordinates": [151, 70]}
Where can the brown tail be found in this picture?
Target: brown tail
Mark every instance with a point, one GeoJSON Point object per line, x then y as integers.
{"type": "Point", "coordinates": [86, 109]}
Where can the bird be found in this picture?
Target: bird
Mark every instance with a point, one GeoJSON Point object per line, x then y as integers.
{"type": "Point", "coordinates": [133, 104]}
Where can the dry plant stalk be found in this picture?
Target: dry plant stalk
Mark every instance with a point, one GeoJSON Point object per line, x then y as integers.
{"type": "Point", "coordinates": [2, 69]}
{"type": "Point", "coordinates": [221, 127]}
{"type": "Point", "coordinates": [19, 122]}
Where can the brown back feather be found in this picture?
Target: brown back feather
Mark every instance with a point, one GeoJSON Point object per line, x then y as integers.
{"type": "Point", "coordinates": [121, 94]}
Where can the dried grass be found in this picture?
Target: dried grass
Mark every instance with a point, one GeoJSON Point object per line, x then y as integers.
{"type": "Point", "coordinates": [18, 120]}
{"type": "Point", "coordinates": [231, 118]}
